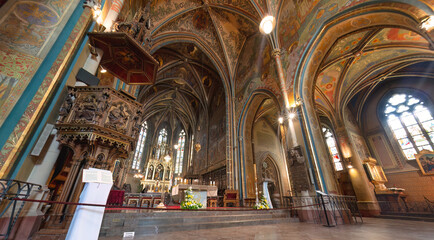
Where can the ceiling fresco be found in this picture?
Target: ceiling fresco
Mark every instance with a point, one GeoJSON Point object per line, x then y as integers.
{"type": "Point", "coordinates": [346, 45]}
{"type": "Point", "coordinates": [222, 25]}
{"type": "Point", "coordinates": [328, 80]}
{"type": "Point", "coordinates": [396, 35]}
{"type": "Point", "coordinates": [363, 55]}
{"type": "Point", "coordinates": [184, 86]}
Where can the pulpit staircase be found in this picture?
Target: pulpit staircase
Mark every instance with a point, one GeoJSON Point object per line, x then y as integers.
{"type": "Point", "coordinates": [154, 222]}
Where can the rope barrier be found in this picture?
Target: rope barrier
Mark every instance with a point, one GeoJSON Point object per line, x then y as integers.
{"type": "Point", "coordinates": [157, 209]}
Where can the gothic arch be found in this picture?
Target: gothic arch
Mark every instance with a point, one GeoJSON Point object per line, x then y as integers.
{"type": "Point", "coordinates": [364, 16]}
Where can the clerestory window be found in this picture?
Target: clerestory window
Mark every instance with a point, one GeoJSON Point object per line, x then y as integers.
{"type": "Point", "coordinates": [140, 146]}
{"type": "Point", "coordinates": [180, 152]}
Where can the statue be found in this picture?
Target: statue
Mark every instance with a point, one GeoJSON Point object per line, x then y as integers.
{"type": "Point", "coordinates": [66, 107]}
{"type": "Point", "coordinates": [117, 117]}
{"type": "Point", "coordinates": [86, 109]}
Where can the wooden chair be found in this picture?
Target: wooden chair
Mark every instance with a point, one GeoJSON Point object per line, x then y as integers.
{"type": "Point", "coordinates": [231, 196]}
{"type": "Point", "coordinates": [212, 202]}
{"type": "Point", "coordinates": [249, 202]}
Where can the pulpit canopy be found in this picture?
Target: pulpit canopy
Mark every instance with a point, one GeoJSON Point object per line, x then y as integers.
{"type": "Point", "coordinates": [125, 58]}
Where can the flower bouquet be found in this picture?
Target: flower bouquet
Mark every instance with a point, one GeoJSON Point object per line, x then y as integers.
{"type": "Point", "coordinates": [262, 203]}
{"type": "Point", "coordinates": [189, 203]}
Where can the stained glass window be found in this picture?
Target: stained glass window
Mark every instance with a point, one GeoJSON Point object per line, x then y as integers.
{"type": "Point", "coordinates": [140, 146]}
{"type": "Point", "coordinates": [410, 120]}
{"type": "Point", "coordinates": [161, 143]}
{"type": "Point", "coordinates": [331, 144]}
{"type": "Point", "coordinates": [180, 152]}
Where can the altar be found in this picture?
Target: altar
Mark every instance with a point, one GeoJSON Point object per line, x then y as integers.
{"type": "Point", "coordinates": [200, 192]}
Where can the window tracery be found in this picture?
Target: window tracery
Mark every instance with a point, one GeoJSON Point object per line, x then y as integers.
{"type": "Point", "coordinates": [333, 148]}
{"type": "Point", "coordinates": [410, 120]}
{"type": "Point", "coordinates": [140, 146]}
{"type": "Point", "coordinates": [180, 153]}
{"type": "Point", "coordinates": [161, 143]}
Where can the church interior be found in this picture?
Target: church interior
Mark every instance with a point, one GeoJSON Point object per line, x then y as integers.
{"type": "Point", "coordinates": [233, 100]}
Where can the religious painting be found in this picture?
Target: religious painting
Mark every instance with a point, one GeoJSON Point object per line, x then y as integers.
{"type": "Point", "coordinates": [425, 159]}
{"type": "Point", "coordinates": [375, 172]}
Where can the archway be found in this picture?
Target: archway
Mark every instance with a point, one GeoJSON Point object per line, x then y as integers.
{"type": "Point", "coordinates": [259, 136]}
{"type": "Point", "coordinates": [329, 79]}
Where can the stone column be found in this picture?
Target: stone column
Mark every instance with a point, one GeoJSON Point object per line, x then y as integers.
{"type": "Point", "coordinates": [366, 199]}
{"type": "Point", "coordinates": [320, 154]}
{"type": "Point", "coordinates": [113, 14]}
{"type": "Point", "coordinates": [276, 54]}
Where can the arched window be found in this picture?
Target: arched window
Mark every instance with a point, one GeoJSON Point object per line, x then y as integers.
{"type": "Point", "coordinates": [409, 118]}
{"type": "Point", "coordinates": [140, 146]}
{"type": "Point", "coordinates": [161, 143]}
{"type": "Point", "coordinates": [180, 152]}
{"type": "Point", "coordinates": [333, 149]}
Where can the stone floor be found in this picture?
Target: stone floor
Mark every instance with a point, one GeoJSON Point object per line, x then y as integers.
{"type": "Point", "coordinates": [371, 229]}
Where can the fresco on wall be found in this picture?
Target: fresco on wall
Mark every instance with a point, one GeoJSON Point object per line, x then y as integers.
{"type": "Point", "coordinates": [393, 35]}
{"type": "Point", "coordinates": [346, 45]}
{"type": "Point", "coordinates": [319, 100]}
{"type": "Point", "coordinates": [252, 63]}
{"type": "Point", "coordinates": [25, 32]}
{"type": "Point", "coordinates": [217, 128]}
{"type": "Point", "coordinates": [29, 24]}
{"type": "Point", "coordinates": [230, 27]}
{"type": "Point", "coordinates": [359, 146]}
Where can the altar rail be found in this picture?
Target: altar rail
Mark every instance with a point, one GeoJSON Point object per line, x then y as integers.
{"type": "Point", "coordinates": [10, 191]}
{"type": "Point", "coordinates": [329, 210]}
{"type": "Point", "coordinates": [407, 207]}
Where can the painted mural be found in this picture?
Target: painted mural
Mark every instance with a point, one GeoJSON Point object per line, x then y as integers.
{"type": "Point", "coordinates": [367, 60]}
{"type": "Point", "coordinates": [21, 130]}
{"type": "Point", "coordinates": [328, 79]}
{"type": "Point", "coordinates": [185, 24]}
{"type": "Point", "coordinates": [346, 45]}
{"type": "Point", "coordinates": [27, 29]}
{"type": "Point", "coordinates": [217, 129]}
{"type": "Point", "coordinates": [394, 35]}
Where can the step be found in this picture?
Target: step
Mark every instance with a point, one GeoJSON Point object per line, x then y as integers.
{"type": "Point", "coordinates": [154, 222]}
{"type": "Point", "coordinates": [143, 221]}
{"type": "Point", "coordinates": [406, 217]}
{"type": "Point", "coordinates": [156, 229]}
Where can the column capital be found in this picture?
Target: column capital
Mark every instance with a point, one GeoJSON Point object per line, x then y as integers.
{"type": "Point", "coordinates": [276, 52]}
{"type": "Point", "coordinates": [94, 4]}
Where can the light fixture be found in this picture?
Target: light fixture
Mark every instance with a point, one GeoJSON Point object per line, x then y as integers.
{"type": "Point", "coordinates": [96, 13]}
{"type": "Point", "coordinates": [427, 23]}
{"type": "Point", "coordinates": [267, 24]}
{"type": "Point", "coordinates": [176, 146]}
{"type": "Point", "coordinates": [349, 166]}
{"type": "Point", "coordinates": [197, 147]}
{"type": "Point", "coordinates": [138, 175]}
{"type": "Point", "coordinates": [99, 20]}
{"type": "Point", "coordinates": [167, 157]}
{"type": "Point", "coordinates": [103, 70]}
{"type": "Point", "coordinates": [291, 115]}
{"type": "Point", "coordinates": [280, 119]}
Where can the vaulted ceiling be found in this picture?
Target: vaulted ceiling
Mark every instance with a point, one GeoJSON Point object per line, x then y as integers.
{"type": "Point", "coordinates": [197, 43]}
{"type": "Point", "coordinates": [360, 60]}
